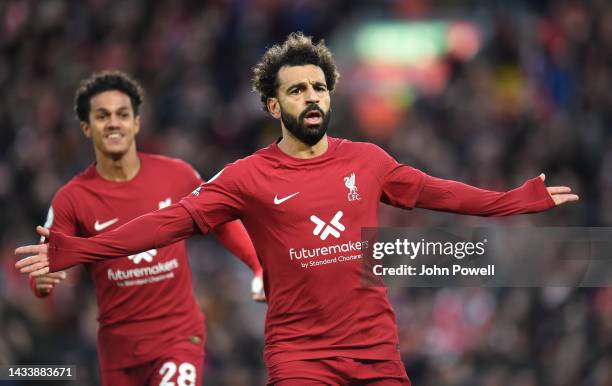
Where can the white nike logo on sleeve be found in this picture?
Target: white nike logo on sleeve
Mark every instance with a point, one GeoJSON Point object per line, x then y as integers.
{"type": "Point", "coordinates": [99, 226]}
{"type": "Point", "coordinates": [279, 201]}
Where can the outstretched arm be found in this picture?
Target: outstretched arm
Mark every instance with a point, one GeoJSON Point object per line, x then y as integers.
{"type": "Point", "coordinates": [453, 196]}
{"type": "Point", "coordinates": [152, 230]}
{"type": "Point", "coordinates": [235, 239]}
{"type": "Point", "coordinates": [406, 187]}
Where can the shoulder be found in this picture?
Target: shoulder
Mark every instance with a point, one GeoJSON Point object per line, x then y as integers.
{"type": "Point", "coordinates": [243, 173]}
{"type": "Point", "coordinates": [64, 193]}
{"type": "Point", "coordinates": [238, 168]}
{"type": "Point", "coordinates": [363, 149]}
{"type": "Point", "coordinates": [64, 197]}
{"type": "Point", "coordinates": [164, 161]}
{"type": "Point", "coordinates": [67, 203]}
{"type": "Point", "coordinates": [77, 183]}
{"type": "Point", "coordinates": [260, 158]}
{"type": "Point", "coordinates": [164, 164]}
{"type": "Point", "coordinates": [262, 155]}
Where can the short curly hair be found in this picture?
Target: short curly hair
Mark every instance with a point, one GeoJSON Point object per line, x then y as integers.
{"type": "Point", "coordinates": [297, 50]}
{"type": "Point", "coordinates": [103, 81]}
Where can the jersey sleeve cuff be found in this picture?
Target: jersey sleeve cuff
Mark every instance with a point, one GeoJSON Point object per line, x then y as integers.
{"type": "Point", "coordinates": [52, 252]}
{"type": "Point", "coordinates": [59, 261]}
{"type": "Point", "coordinates": [541, 192]}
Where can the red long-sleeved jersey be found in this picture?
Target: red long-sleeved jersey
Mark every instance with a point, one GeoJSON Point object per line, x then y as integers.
{"type": "Point", "coordinates": [145, 299]}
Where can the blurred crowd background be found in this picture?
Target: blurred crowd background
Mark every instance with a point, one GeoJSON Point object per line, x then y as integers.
{"type": "Point", "coordinates": [487, 92]}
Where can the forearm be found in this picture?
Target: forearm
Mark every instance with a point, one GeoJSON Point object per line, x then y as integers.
{"type": "Point", "coordinates": [234, 237]}
{"type": "Point", "coordinates": [152, 230]}
{"type": "Point", "coordinates": [457, 197]}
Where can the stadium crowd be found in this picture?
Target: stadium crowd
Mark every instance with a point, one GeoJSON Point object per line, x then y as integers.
{"type": "Point", "coordinates": [536, 98]}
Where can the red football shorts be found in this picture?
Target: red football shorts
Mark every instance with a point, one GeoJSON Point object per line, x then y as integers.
{"type": "Point", "coordinates": [338, 371]}
{"type": "Point", "coordinates": [178, 367]}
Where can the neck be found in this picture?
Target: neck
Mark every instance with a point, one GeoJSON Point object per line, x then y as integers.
{"type": "Point", "coordinates": [118, 168]}
{"type": "Point", "coordinates": [292, 146]}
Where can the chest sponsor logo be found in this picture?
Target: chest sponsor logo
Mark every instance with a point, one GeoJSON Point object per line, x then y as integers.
{"type": "Point", "coordinates": [329, 253]}
{"type": "Point", "coordinates": [165, 203]}
{"type": "Point", "coordinates": [323, 230]}
{"type": "Point", "coordinates": [351, 184]}
{"type": "Point", "coordinates": [278, 201]}
{"type": "Point", "coordinates": [98, 226]}
{"type": "Point", "coordinates": [156, 273]}
{"type": "Point", "coordinates": [146, 256]}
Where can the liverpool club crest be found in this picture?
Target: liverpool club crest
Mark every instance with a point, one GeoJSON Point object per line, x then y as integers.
{"type": "Point", "coordinates": [351, 185]}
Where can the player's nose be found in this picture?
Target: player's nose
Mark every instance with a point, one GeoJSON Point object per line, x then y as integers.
{"type": "Point", "coordinates": [113, 121]}
{"type": "Point", "coordinates": [311, 94]}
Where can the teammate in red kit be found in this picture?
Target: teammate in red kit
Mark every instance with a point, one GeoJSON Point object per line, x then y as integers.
{"type": "Point", "coordinates": [304, 201]}
{"type": "Point", "coordinates": [151, 329]}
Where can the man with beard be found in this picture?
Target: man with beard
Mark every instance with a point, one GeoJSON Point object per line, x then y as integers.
{"type": "Point", "coordinates": [304, 200]}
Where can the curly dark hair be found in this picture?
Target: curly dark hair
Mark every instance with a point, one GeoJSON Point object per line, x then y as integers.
{"type": "Point", "coordinates": [297, 50]}
{"type": "Point", "coordinates": [103, 81]}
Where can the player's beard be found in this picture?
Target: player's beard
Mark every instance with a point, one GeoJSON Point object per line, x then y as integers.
{"type": "Point", "coordinates": [308, 134]}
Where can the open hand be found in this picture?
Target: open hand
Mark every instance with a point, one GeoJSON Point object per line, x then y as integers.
{"type": "Point", "coordinates": [560, 194]}
{"type": "Point", "coordinates": [45, 283]}
{"type": "Point", "coordinates": [38, 263]}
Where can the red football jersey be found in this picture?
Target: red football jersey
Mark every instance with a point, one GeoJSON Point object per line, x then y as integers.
{"type": "Point", "coordinates": [145, 301]}
{"type": "Point", "coordinates": [305, 218]}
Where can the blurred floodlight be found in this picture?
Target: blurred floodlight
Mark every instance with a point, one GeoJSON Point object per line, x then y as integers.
{"type": "Point", "coordinates": [415, 43]}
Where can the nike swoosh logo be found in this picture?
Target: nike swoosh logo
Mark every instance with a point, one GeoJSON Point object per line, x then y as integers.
{"type": "Point", "coordinates": [99, 226]}
{"type": "Point", "coordinates": [279, 201]}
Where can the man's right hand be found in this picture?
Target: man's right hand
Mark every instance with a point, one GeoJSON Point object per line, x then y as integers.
{"type": "Point", "coordinates": [37, 264]}
{"type": "Point", "coordinates": [257, 288]}
{"type": "Point", "coordinates": [44, 284]}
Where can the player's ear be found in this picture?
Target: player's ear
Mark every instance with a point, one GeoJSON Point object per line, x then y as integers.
{"type": "Point", "coordinates": [85, 128]}
{"type": "Point", "coordinates": [274, 107]}
{"type": "Point", "coordinates": [137, 124]}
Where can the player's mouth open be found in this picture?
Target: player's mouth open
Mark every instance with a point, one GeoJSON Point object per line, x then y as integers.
{"type": "Point", "coordinates": [313, 117]}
